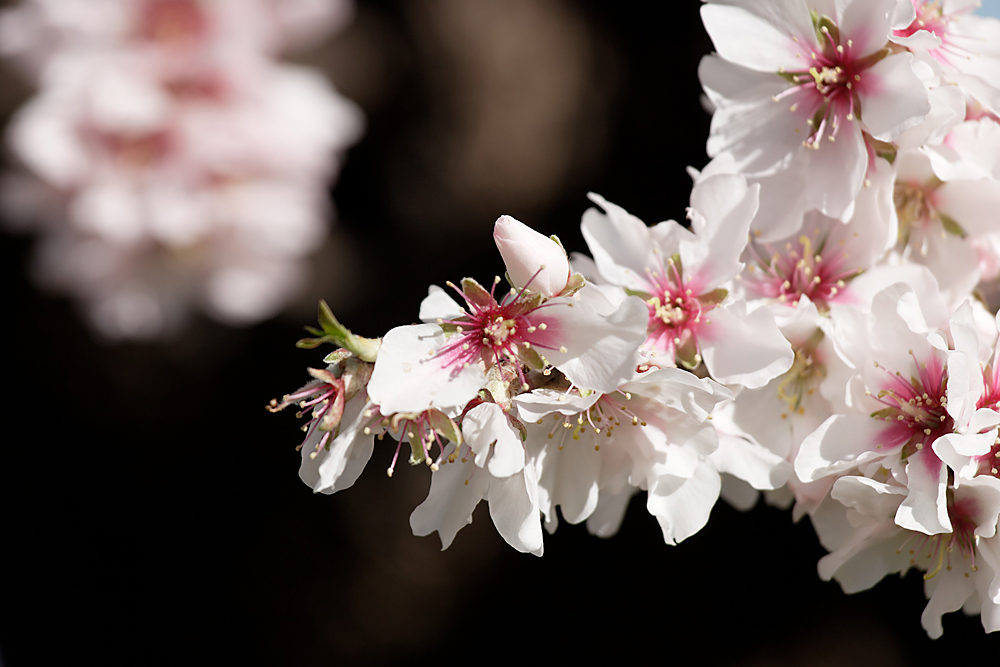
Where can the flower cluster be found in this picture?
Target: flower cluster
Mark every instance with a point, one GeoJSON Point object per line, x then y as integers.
{"type": "Point", "coordinates": [168, 159]}
{"type": "Point", "coordinates": [814, 332]}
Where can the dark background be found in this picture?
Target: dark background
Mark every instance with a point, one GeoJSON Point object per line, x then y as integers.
{"type": "Point", "coordinates": [151, 510]}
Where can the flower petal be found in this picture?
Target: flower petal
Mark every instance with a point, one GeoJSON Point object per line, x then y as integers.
{"type": "Point", "coordinates": [925, 509]}
{"type": "Point", "coordinates": [682, 505]}
{"type": "Point", "coordinates": [514, 509]}
{"type": "Point", "coordinates": [456, 489]}
{"type": "Point", "coordinates": [743, 349]}
{"type": "Point", "coordinates": [892, 97]}
{"type": "Point", "coordinates": [409, 378]}
{"type": "Point", "coordinates": [839, 444]}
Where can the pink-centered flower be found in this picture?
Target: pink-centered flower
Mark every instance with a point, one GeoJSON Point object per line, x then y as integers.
{"type": "Point", "coordinates": [965, 46]}
{"type": "Point", "coordinates": [911, 391]}
{"type": "Point", "coordinates": [961, 566]}
{"type": "Point", "coordinates": [804, 100]}
{"type": "Point", "coordinates": [681, 275]}
{"type": "Point", "coordinates": [443, 365]}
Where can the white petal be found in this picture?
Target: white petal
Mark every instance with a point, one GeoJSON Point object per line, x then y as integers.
{"type": "Point", "coordinates": [748, 350]}
{"type": "Point", "coordinates": [486, 425]}
{"type": "Point", "coordinates": [867, 23]}
{"type": "Point", "coordinates": [600, 352]}
{"type": "Point", "coordinates": [570, 471]}
{"type": "Point", "coordinates": [530, 256]}
{"type": "Point", "coordinates": [840, 443]}
{"type": "Point", "coordinates": [837, 171]}
{"type": "Point", "coordinates": [439, 304]}
{"type": "Point", "coordinates": [724, 206]}
{"type": "Point", "coordinates": [760, 39]}
{"type": "Point", "coordinates": [619, 242]}
{"type": "Point", "coordinates": [892, 97]}
{"type": "Point", "coordinates": [682, 506]}
{"type": "Point", "coordinates": [541, 402]}
{"type": "Point", "coordinates": [875, 499]}
{"type": "Point", "coordinates": [514, 509]}
{"type": "Point", "coordinates": [610, 512]}
{"type": "Point", "coordinates": [751, 463]}
{"type": "Point", "coordinates": [760, 135]}
{"type": "Point", "coordinates": [340, 464]}
{"type": "Point", "coordinates": [926, 508]}
{"type": "Point", "coordinates": [456, 489]}
{"type": "Point", "coordinates": [409, 378]}
{"type": "Point", "coordinates": [950, 593]}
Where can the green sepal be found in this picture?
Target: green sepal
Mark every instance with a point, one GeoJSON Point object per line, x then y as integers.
{"type": "Point", "coordinates": [519, 425]}
{"type": "Point", "coordinates": [951, 226]}
{"type": "Point", "coordinates": [333, 332]}
{"type": "Point", "coordinates": [883, 413]}
{"type": "Point", "coordinates": [337, 356]}
{"type": "Point", "coordinates": [826, 22]}
{"type": "Point", "coordinates": [687, 354]}
{"type": "Point", "coordinates": [871, 59]}
{"type": "Point", "coordinates": [417, 455]}
{"type": "Point", "coordinates": [323, 375]}
{"type": "Point", "coordinates": [883, 149]}
{"type": "Point", "coordinates": [530, 358]}
{"type": "Point", "coordinates": [713, 298]}
{"type": "Point", "coordinates": [525, 305]}
{"type": "Point", "coordinates": [573, 285]}
{"type": "Point", "coordinates": [476, 293]}
{"type": "Point", "coordinates": [675, 260]}
{"type": "Point", "coordinates": [558, 243]}
{"type": "Point", "coordinates": [788, 76]}
{"type": "Point", "coordinates": [443, 424]}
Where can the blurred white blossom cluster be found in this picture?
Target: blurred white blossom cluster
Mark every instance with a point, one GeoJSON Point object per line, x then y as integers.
{"type": "Point", "coordinates": [169, 161]}
{"type": "Point", "coordinates": [815, 332]}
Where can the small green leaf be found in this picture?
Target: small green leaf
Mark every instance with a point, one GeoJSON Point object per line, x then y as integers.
{"type": "Point", "coordinates": [335, 333]}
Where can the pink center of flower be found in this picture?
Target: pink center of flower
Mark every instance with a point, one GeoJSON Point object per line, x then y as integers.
{"type": "Point", "coordinates": [919, 217]}
{"type": "Point", "coordinates": [989, 464]}
{"type": "Point", "coordinates": [804, 376]}
{"type": "Point", "coordinates": [176, 22]}
{"type": "Point", "coordinates": [916, 410]}
{"type": "Point", "coordinates": [676, 312]}
{"type": "Point", "coordinates": [326, 400]}
{"type": "Point", "coordinates": [931, 17]}
{"type": "Point", "coordinates": [935, 552]}
{"type": "Point", "coordinates": [798, 271]}
{"type": "Point", "coordinates": [516, 328]}
{"type": "Point", "coordinates": [136, 151]}
{"type": "Point", "coordinates": [824, 87]}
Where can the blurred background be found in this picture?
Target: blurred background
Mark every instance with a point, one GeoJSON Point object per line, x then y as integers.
{"type": "Point", "coordinates": [152, 512]}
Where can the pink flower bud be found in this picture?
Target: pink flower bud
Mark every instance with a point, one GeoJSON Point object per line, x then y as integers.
{"type": "Point", "coordinates": [527, 253]}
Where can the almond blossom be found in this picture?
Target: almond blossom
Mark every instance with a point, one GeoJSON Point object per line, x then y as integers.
{"type": "Point", "coordinates": [681, 275]}
{"type": "Point", "coordinates": [820, 330]}
{"type": "Point", "coordinates": [174, 167]}
{"type": "Point", "coordinates": [962, 565]}
{"type": "Point", "coordinates": [965, 46]}
{"type": "Point", "coordinates": [805, 101]}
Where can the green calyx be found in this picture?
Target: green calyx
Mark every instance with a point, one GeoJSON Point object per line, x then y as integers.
{"type": "Point", "coordinates": [333, 332]}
